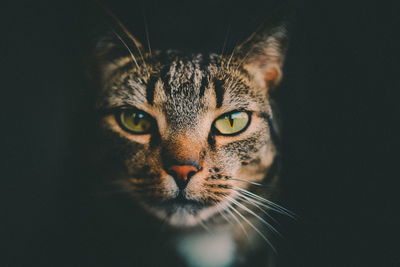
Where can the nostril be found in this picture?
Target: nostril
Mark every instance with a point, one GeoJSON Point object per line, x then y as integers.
{"type": "Point", "coordinates": [190, 174]}
{"type": "Point", "coordinates": [182, 174]}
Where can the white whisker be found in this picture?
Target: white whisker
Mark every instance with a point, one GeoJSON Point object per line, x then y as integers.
{"type": "Point", "coordinates": [255, 215]}
{"type": "Point", "coordinates": [221, 210]}
{"type": "Point", "coordinates": [242, 180]}
{"type": "Point", "coordinates": [255, 228]}
{"type": "Point", "coordinates": [127, 47]}
{"type": "Point", "coordinates": [269, 207]}
{"type": "Point", "coordinates": [230, 58]}
{"type": "Point", "coordinates": [243, 60]}
{"type": "Point", "coordinates": [128, 34]}
{"type": "Point", "coordinates": [255, 204]}
{"type": "Point", "coordinates": [269, 202]}
{"type": "Point", "coordinates": [141, 56]}
{"type": "Point", "coordinates": [205, 226]}
{"type": "Point", "coordinates": [237, 220]}
{"type": "Point", "coordinates": [147, 32]}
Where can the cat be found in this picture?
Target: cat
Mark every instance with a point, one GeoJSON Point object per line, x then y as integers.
{"type": "Point", "coordinates": [189, 141]}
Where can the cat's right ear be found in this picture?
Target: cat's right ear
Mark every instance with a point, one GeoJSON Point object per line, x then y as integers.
{"type": "Point", "coordinates": [111, 49]}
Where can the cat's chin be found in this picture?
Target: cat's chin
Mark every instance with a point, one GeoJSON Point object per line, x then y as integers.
{"type": "Point", "coordinates": [181, 212]}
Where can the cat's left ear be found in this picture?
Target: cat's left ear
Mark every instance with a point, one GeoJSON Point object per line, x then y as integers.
{"type": "Point", "coordinates": [264, 53]}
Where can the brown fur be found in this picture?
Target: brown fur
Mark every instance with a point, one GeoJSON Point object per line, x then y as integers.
{"type": "Point", "coordinates": [185, 94]}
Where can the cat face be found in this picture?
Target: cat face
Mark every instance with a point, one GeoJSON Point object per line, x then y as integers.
{"type": "Point", "coordinates": [188, 132]}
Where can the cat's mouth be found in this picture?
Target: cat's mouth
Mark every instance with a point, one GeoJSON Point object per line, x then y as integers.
{"type": "Point", "coordinates": [179, 211]}
{"type": "Point", "coordinates": [180, 201]}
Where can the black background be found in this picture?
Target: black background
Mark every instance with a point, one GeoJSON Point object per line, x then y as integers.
{"type": "Point", "coordinates": [338, 104]}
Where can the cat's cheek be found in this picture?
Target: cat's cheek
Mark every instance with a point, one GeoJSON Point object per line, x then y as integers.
{"type": "Point", "coordinates": [113, 125]}
{"type": "Point", "coordinates": [255, 169]}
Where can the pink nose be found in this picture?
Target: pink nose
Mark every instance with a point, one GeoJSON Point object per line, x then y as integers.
{"type": "Point", "coordinates": [182, 174]}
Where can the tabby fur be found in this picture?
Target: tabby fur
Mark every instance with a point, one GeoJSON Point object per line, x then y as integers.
{"type": "Point", "coordinates": [184, 93]}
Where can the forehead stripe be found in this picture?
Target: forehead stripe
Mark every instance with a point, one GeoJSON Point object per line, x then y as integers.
{"type": "Point", "coordinates": [203, 86]}
{"type": "Point", "coordinates": [150, 87]}
{"type": "Point", "coordinates": [219, 92]}
{"type": "Point", "coordinates": [204, 63]}
{"type": "Point", "coordinates": [165, 76]}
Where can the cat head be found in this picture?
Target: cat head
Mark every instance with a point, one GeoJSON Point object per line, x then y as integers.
{"type": "Point", "coordinates": [186, 133]}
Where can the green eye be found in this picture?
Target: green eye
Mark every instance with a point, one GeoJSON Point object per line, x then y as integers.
{"type": "Point", "coordinates": [232, 123]}
{"type": "Point", "coordinates": [135, 121]}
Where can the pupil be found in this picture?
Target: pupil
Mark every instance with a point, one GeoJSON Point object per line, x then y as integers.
{"type": "Point", "coordinates": [230, 120]}
{"type": "Point", "coordinates": [136, 118]}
